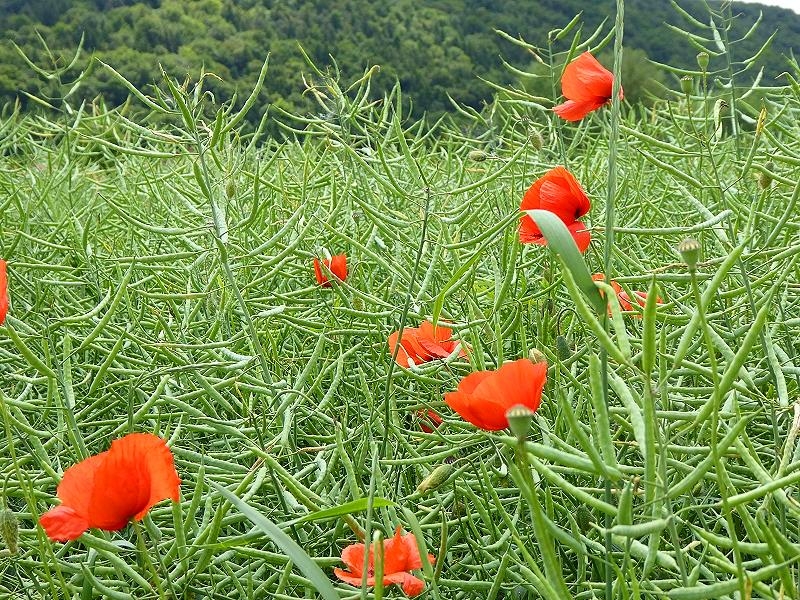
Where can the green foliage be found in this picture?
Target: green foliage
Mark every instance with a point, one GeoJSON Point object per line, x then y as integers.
{"type": "Point", "coordinates": [434, 49]}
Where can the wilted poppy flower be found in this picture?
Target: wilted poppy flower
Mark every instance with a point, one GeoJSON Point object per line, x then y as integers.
{"type": "Point", "coordinates": [560, 193]}
{"type": "Point", "coordinates": [587, 85]}
{"type": "Point", "coordinates": [109, 489]}
{"type": "Point", "coordinates": [336, 265]}
{"type": "Point", "coordinates": [400, 556]}
{"type": "Point", "coordinates": [3, 291]}
{"type": "Point", "coordinates": [484, 397]}
{"type": "Point", "coordinates": [429, 420]}
{"type": "Point", "coordinates": [623, 297]}
{"type": "Point", "coordinates": [424, 343]}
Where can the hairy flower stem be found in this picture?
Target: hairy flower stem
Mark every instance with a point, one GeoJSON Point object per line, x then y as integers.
{"type": "Point", "coordinates": [608, 250]}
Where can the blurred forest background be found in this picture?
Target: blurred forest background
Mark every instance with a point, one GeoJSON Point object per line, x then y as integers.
{"type": "Point", "coordinates": [433, 48]}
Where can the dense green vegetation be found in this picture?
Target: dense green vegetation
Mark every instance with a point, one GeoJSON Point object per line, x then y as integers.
{"type": "Point", "coordinates": [434, 48]}
{"type": "Point", "coordinates": [161, 281]}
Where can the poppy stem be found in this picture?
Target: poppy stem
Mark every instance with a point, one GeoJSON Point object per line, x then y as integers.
{"type": "Point", "coordinates": [145, 555]}
{"type": "Point", "coordinates": [608, 249]}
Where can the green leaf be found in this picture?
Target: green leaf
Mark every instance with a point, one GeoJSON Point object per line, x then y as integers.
{"type": "Point", "coordinates": [560, 240]}
{"type": "Point", "coordinates": [292, 550]}
{"type": "Point", "coordinates": [343, 509]}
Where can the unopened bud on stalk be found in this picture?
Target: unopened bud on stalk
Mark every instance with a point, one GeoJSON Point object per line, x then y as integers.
{"type": "Point", "coordinates": [563, 351]}
{"type": "Point", "coordinates": [537, 141]}
{"type": "Point", "coordinates": [436, 478]}
{"type": "Point", "coordinates": [477, 155]}
{"type": "Point", "coordinates": [764, 178]}
{"type": "Point", "coordinates": [230, 189]}
{"type": "Point", "coordinates": [9, 530]}
{"type": "Point", "coordinates": [702, 61]}
{"type": "Point", "coordinates": [536, 356]}
{"type": "Point", "coordinates": [687, 84]}
{"type": "Point", "coordinates": [690, 252]}
{"type": "Point", "coordinates": [519, 420]}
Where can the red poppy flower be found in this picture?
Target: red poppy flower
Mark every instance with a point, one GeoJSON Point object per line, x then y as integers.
{"type": "Point", "coordinates": [587, 85]}
{"type": "Point", "coordinates": [424, 343]}
{"type": "Point", "coordinates": [560, 193]}
{"type": "Point", "coordinates": [623, 297]}
{"type": "Point", "coordinates": [336, 265]}
{"type": "Point", "coordinates": [400, 556]}
{"type": "Point", "coordinates": [639, 297]}
{"type": "Point", "coordinates": [429, 420]}
{"type": "Point", "coordinates": [106, 490]}
{"type": "Point", "coordinates": [3, 291]}
{"type": "Point", "coordinates": [484, 397]}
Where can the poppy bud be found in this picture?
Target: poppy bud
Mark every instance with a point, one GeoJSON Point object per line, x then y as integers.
{"type": "Point", "coordinates": [436, 478]}
{"type": "Point", "coordinates": [537, 356]}
{"type": "Point", "coordinates": [702, 61]}
{"type": "Point", "coordinates": [537, 141]}
{"type": "Point", "coordinates": [519, 420]}
{"type": "Point", "coordinates": [764, 178]}
{"type": "Point", "coordinates": [9, 530]}
{"type": "Point", "coordinates": [230, 189]}
{"type": "Point", "coordinates": [563, 351]}
{"type": "Point", "coordinates": [477, 155]}
{"type": "Point", "coordinates": [690, 252]}
{"type": "Point", "coordinates": [687, 84]}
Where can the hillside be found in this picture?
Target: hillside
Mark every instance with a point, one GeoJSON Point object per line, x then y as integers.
{"type": "Point", "coordinates": [433, 48]}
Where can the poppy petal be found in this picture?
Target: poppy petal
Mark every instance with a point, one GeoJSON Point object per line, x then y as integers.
{"type": "Point", "coordinates": [396, 554]}
{"type": "Point", "coordinates": [473, 380]}
{"type": "Point", "coordinates": [77, 484]}
{"type": "Point", "coordinates": [137, 473]}
{"type": "Point", "coordinates": [412, 586]}
{"type": "Point", "coordinates": [572, 110]}
{"type": "Point", "coordinates": [433, 349]}
{"type": "Point", "coordinates": [406, 355]}
{"type": "Point", "coordinates": [484, 413]}
{"type": "Point", "coordinates": [581, 235]}
{"type": "Point", "coordinates": [517, 382]}
{"type": "Point", "coordinates": [353, 557]}
{"type": "Point", "coordinates": [585, 79]}
{"type": "Point", "coordinates": [562, 195]}
{"type": "Point", "coordinates": [62, 524]}
{"type": "Point", "coordinates": [354, 580]}
{"type": "Point", "coordinates": [338, 266]}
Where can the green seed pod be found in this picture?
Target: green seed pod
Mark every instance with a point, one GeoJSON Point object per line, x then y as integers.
{"type": "Point", "coordinates": [477, 155]}
{"type": "Point", "coordinates": [436, 478]}
{"type": "Point", "coordinates": [519, 420]}
{"type": "Point", "coordinates": [687, 84]}
{"type": "Point", "coordinates": [702, 61]}
{"type": "Point", "coordinates": [563, 351]}
{"type": "Point", "coordinates": [9, 530]}
{"type": "Point", "coordinates": [690, 252]}
{"type": "Point", "coordinates": [625, 509]}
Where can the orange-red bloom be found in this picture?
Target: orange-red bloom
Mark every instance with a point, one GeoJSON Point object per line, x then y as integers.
{"type": "Point", "coordinates": [422, 344]}
{"type": "Point", "coordinates": [623, 297]}
{"type": "Point", "coordinates": [400, 556]}
{"type": "Point", "coordinates": [559, 192]}
{"type": "Point", "coordinates": [107, 490]}
{"type": "Point", "coordinates": [484, 397]}
{"type": "Point", "coordinates": [587, 85]}
{"type": "Point", "coordinates": [429, 420]}
{"type": "Point", "coordinates": [3, 291]}
{"type": "Point", "coordinates": [336, 265]}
